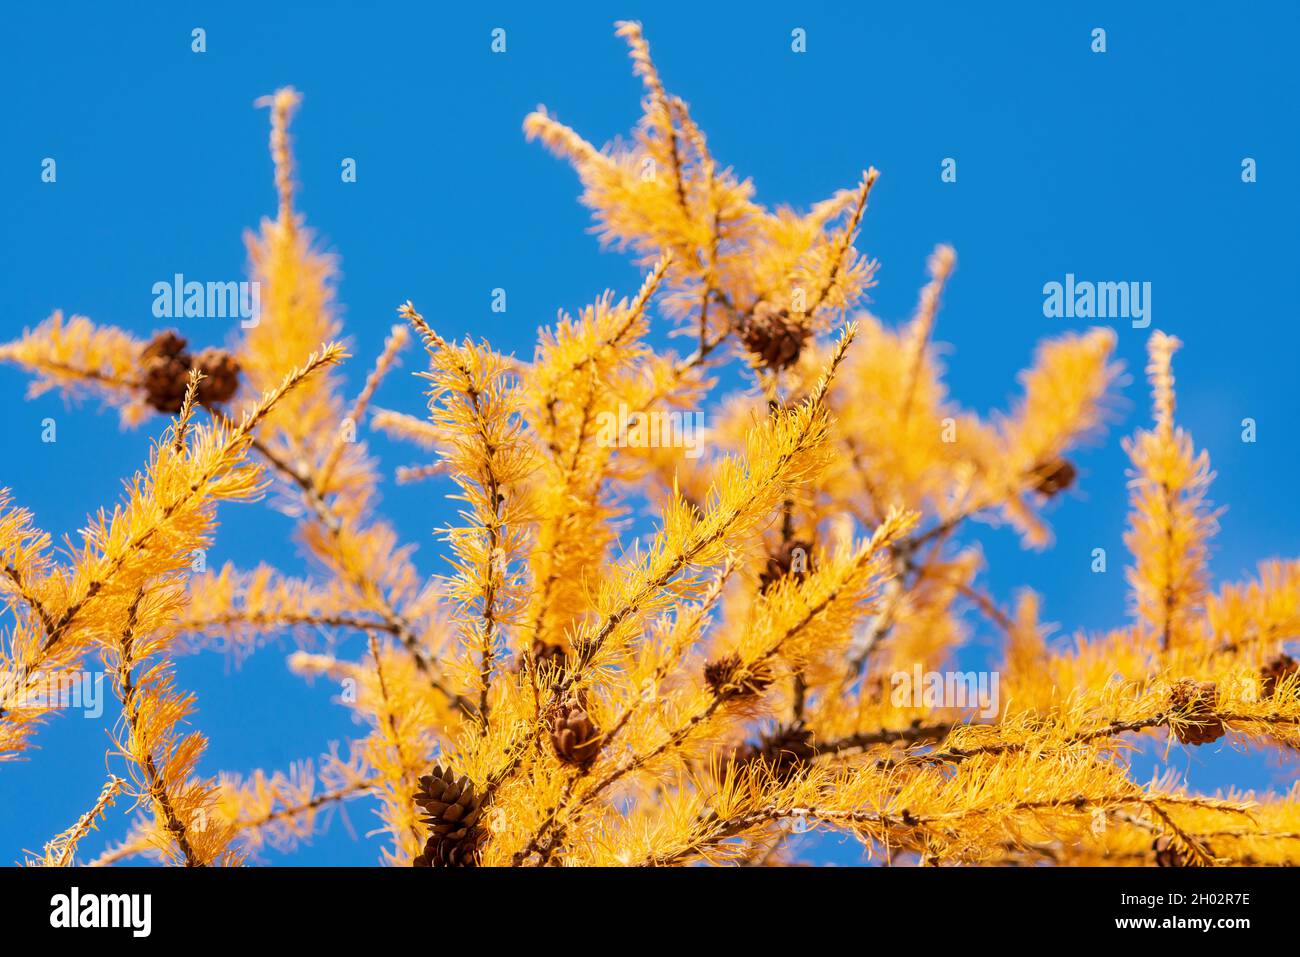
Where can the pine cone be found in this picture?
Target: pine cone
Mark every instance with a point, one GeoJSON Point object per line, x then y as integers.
{"type": "Point", "coordinates": [166, 345]}
{"type": "Point", "coordinates": [791, 554]}
{"type": "Point", "coordinates": [453, 808]}
{"type": "Point", "coordinates": [166, 368]}
{"type": "Point", "coordinates": [1194, 701]}
{"type": "Point", "coordinates": [1054, 477]}
{"type": "Point", "coordinates": [785, 750]}
{"type": "Point", "coordinates": [728, 678]}
{"type": "Point", "coordinates": [221, 376]}
{"type": "Point", "coordinates": [544, 655]}
{"type": "Point", "coordinates": [774, 335]}
{"type": "Point", "coordinates": [165, 371]}
{"type": "Point", "coordinates": [575, 736]}
{"type": "Point", "coordinates": [1168, 854]}
{"type": "Point", "coordinates": [1277, 669]}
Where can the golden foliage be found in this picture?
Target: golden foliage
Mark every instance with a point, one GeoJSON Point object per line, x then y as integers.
{"type": "Point", "coordinates": [78, 356]}
{"type": "Point", "coordinates": [1171, 524]}
{"type": "Point", "coordinates": [574, 692]}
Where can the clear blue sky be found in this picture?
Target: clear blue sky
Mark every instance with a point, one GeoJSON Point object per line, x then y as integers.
{"type": "Point", "coordinates": [1119, 166]}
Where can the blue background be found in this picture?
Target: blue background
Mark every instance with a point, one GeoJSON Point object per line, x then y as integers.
{"type": "Point", "coordinates": [1119, 166]}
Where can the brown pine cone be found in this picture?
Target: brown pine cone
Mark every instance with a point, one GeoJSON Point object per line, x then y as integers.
{"type": "Point", "coordinates": [728, 678]}
{"type": "Point", "coordinates": [167, 345]}
{"type": "Point", "coordinates": [544, 655]}
{"type": "Point", "coordinates": [1275, 670]}
{"type": "Point", "coordinates": [575, 736]}
{"type": "Point", "coordinates": [221, 376]}
{"type": "Point", "coordinates": [1194, 701]}
{"type": "Point", "coordinates": [165, 373]}
{"type": "Point", "coordinates": [785, 750]}
{"type": "Point", "coordinates": [1054, 477]}
{"type": "Point", "coordinates": [454, 809]}
{"type": "Point", "coordinates": [774, 335]}
{"type": "Point", "coordinates": [792, 558]}
{"type": "Point", "coordinates": [1168, 854]}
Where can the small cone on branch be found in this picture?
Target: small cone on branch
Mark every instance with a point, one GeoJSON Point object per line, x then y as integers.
{"type": "Point", "coordinates": [575, 736]}
{"type": "Point", "coordinates": [453, 811]}
{"type": "Point", "coordinates": [543, 655]}
{"type": "Point", "coordinates": [220, 376]}
{"type": "Point", "coordinates": [1194, 702]}
{"type": "Point", "coordinates": [1054, 477]}
{"type": "Point", "coordinates": [1275, 671]}
{"type": "Point", "coordinates": [793, 558]}
{"type": "Point", "coordinates": [166, 345]}
{"type": "Point", "coordinates": [785, 750]}
{"type": "Point", "coordinates": [165, 372]}
{"type": "Point", "coordinates": [774, 336]}
{"type": "Point", "coordinates": [728, 677]}
{"type": "Point", "coordinates": [1168, 854]}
